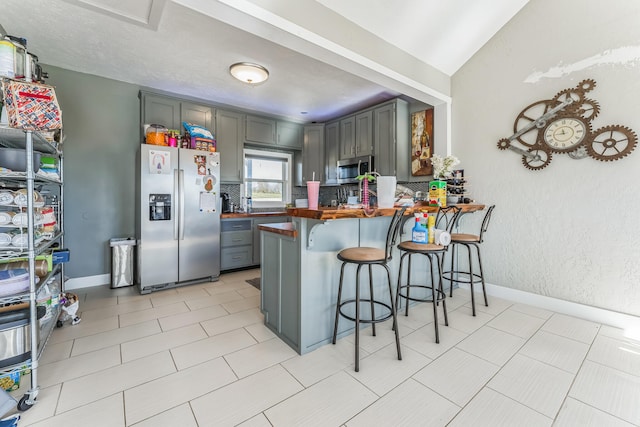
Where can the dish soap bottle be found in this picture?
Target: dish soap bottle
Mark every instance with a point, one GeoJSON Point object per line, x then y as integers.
{"type": "Point", "coordinates": [419, 233]}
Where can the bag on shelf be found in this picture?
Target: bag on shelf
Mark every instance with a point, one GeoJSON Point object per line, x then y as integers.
{"type": "Point", "coordinates": [31, 106]}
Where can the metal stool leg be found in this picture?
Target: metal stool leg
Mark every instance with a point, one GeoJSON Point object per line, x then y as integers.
{"type": "Point", "coordinates": [406, 307]}
{"type": "Point", "coordinates": [393, 313]}
{"type": "Point", "coordinates": [434, 299]}
{"type": "Point", "coordinates": [453, 257]}
{"type": "Point", "coordinates": [440, 259]}
{"type": "Point", "coordinates": [357, 331]}
{"type": "Point", "coordinates": [484, 290]}
{"type": "Point", "coordinates": [471, 280]}
{"type": "Point", "coordinates": [373, 314]}
{"type": "Point", "coordinates": [335, 324]}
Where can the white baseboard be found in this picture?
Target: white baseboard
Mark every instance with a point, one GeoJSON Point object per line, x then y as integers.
{"type": "Point", "coordinates": [87, 281]}
{"type": "Point", "coordinates": [629, 323]}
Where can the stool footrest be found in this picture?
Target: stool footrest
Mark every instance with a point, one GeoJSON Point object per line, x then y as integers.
{"type": "Point", "coordinates": [477, 278]}
{"type": "Point", "coordinates": [440, 295]}
{"type": "Point", "coordinates": [368, 301]}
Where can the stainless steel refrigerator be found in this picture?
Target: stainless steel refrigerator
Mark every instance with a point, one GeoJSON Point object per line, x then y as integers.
{"type": "Point", "coordinates": [177, 217]}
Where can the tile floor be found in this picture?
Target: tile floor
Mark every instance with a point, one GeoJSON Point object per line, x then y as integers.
{"type": "Point", "coordinates": [200, 356]}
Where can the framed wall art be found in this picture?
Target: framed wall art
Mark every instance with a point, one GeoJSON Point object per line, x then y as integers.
{"type": "Point", "coordinates": [421, 142]}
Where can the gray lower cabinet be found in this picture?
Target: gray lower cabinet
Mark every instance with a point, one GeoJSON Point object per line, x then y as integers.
{"type": "Point", "coordinates": [236, 243]}
{"type": "Point", "coordinates": [256, 233]}
{"type": "Point", "coordinates": [281, 303]}
{"type": "Point", "coordinates": [240, 241]}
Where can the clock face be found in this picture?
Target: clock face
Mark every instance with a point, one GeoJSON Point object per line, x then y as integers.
{"type": "Point", "coordinates": [565, 134]}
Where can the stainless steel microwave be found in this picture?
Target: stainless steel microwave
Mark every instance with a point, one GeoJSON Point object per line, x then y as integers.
{"type": "Point", "coordinates": [349, 169]}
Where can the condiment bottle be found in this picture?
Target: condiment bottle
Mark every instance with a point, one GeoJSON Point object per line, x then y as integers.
{"type": "Point", "coordinates": [431, 226]}
{"type": "Point", "coordinates": [419, 233]}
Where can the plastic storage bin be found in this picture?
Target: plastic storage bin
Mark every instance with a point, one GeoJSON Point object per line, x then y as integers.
{"type": "Point", "coordinates": [122, 262]}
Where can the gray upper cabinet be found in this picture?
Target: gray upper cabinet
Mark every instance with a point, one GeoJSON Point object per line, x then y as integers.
{"type": "Point", "coordinates": [391, 139]}
{"type": "Point", "coordinates": [196, 114]}
{"type": "Point", "coordinates": [313, 153]}
{"type": "Point", "coordinates": [161, 110]}
{"type": "Point", "coordinates": [229, 137]}
{"type": "Point", "coordinates": [348, 137]}
{"type": "Point", "coordinates": [260, 130]}
{"type": "Point", "coordinates": [364, 133]}
{"type": "Point", "coordinates": [171, 112]}
{"type": "Point", "coordinates": [356, 135]}
{"type": "Point", "coordinates": [331, 152]}
{"type": "Point", "coordinates": [266, 131]}
{"type": "Point", "coordinates": [289, 135]}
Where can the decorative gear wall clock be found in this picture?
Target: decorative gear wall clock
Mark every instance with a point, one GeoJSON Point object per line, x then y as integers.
{"type": "Point", "coordinates": [563, 125]}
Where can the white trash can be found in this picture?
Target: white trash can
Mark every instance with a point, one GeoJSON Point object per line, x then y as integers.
{"type": "Point", "coordinates": [122, 262]}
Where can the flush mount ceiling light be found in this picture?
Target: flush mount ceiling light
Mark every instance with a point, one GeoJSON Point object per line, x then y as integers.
{"type": "Point", "coordinates": [249, 73]}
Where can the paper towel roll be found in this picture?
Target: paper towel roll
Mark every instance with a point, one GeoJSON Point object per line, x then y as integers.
{"type": "Point", "coordinates": [5, 239]}
{"type": "Point", "coordinates": [6, 197]}
{"type": "Point", "coordinates": [41, 266]}
{"type": "Point", "coordinates": [442, 237]}
{"type": "Point", "coordinates": [6, 217]}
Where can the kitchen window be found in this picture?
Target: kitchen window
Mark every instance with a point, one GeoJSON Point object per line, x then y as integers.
{"type": "Point", "coordinates": [267, 178]}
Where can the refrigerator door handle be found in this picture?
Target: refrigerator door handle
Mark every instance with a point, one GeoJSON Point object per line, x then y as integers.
{"type": "Point", "coordinates": [181, 204]}
{"type": "Point", "coordinates": [176, 192]}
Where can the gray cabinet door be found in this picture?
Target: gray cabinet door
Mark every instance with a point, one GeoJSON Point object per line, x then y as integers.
{"type": "Point", "coordinates": [260, 130]}
{"type": "Point", "coordinates": [331, 153]}
{"type": "Point", "coordinates": [313, 153]}
{"type": "Point", "coordinates": [289, 135]}
{"type": "Point", "coordinates": [229, 141]}
{"type": "Point", "coordinates": [347, 137]}
{"type": "Point", "coordinates": [161, 110]}
{"type": "Point", "coordinates": [364, 133]}
{"type": "Point", "coordinates": [385, 139]}
{"type": "Point", "coordinates": [256, 233]}
{"type": "Point", "coordinates": [196, 114]}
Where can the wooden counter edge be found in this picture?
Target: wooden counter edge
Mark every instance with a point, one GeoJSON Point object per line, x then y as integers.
{"type": "Point", "coordinates": [283, 228]}
{"type": "Point", "coordinates": [337, 213]}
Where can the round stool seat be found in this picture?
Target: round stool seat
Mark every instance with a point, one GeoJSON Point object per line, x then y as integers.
{"type": "Point", "coordinates": [462, 237]}
{"type": "Point", "coordinates": [362, 254]}
{"type": "Point", "coordinates": [372, 308]}
{"type": "Point", "coordinates": [410, 246]}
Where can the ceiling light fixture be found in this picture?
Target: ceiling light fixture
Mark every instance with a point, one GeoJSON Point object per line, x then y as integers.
{"type": "Point", "coordinates": [249, 73]}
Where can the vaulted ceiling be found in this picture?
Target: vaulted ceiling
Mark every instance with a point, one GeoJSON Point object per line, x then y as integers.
{"type": "Point", "coordinates": [325, 57]}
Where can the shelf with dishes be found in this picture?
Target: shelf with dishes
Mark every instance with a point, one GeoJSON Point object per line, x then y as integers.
{"type": "Point", "coordinates": [43, 142]}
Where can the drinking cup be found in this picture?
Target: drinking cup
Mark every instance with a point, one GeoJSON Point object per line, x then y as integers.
{"type": "Point", "coordinates": [313, 188]}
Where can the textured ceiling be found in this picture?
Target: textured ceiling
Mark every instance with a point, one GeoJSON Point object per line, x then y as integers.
{"type": "Point", "coordinates": [168, 46]}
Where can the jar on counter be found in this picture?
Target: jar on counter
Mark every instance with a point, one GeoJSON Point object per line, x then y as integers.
{"type": "Point", "coordinates": [156, 135]}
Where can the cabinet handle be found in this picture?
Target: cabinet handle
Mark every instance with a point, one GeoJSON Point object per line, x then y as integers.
{"type": "Point", "coordinates": [236, 240]}
{"type": "Point", "coordinates": [236, 226]}
{"type": "Point", "coordinates": [236, 258]}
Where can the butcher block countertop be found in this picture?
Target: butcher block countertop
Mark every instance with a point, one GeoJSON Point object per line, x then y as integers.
{"type": "Point", "coordinates": [323, 213]}
{"type": "Point", "coordinates": [252, 214]}
{"type": "Point", "coordinates": [283, 228]}
{"type": "Point", "coordinates": [329, 213]}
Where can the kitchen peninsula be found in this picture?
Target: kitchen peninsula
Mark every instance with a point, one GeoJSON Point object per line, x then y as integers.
{"type": "Point", "coordinates": [300, 271]}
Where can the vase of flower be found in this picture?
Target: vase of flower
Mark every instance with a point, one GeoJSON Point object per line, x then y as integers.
{"type": "Point", "coordinates": [443, 166]}
{"type": "Point", "coordinates": [364, 182]}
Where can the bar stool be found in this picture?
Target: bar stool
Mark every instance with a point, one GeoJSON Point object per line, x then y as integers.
{"type": "Point", "coordinates": [469, 240]}
{"type": "Point", "coordinates": [362, 256]}
{"type": "Point", "coordinates": [445, 220]}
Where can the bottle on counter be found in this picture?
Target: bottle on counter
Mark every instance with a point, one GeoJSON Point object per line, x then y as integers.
{"type": "Point", "coordinates": [431, 227]}
{"type": "Point", "coordinates": [419, 233]}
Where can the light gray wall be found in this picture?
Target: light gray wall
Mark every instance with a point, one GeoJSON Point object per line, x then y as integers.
{"type": "Point", "coordinates": [570, 231]}
{"type": "Point", "coordinates": [101, 120]}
